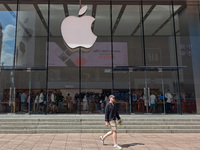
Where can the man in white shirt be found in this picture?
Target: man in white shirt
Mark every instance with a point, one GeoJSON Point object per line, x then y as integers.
{"type": "Point", "coordinates": [41, 101]}
{"type": "Point", "coordinates": [152, 103]}
{"type": "Point", "coordinates": [168, 96]}
{"type": "Point", "coordinates": [53, 102]}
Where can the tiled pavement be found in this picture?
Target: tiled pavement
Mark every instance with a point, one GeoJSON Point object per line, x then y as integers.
{"type": "Point", "coordinates": [90, 141]}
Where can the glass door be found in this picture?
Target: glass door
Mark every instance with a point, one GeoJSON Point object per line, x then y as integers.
{"type": "Point", "coordinates": [155, 91]}
{"type": "Point", "coordinates": [7, 91]}
{"type": "Point", "coordinates": [162, 90]}
{"type": "Point", "coordinates": [138, 92]}
{"type": "Point", "coordinates": [172, 95]}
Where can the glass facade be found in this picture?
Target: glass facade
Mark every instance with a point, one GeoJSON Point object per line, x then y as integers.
{"type": "Point", "coordinates": [146, 54]}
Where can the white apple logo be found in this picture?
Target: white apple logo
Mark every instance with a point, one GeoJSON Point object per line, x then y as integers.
{"type": "Point", "coordinates": [76, 31]}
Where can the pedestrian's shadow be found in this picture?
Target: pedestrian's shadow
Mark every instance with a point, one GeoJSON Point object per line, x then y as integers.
{"type": "Point", "coordinates": [132, 144]}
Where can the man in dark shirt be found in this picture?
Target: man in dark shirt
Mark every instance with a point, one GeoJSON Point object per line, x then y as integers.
{"type": "Point", "coordinates": [111, 114]}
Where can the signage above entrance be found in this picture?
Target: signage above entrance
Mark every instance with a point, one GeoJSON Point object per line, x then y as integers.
{"type": "Point", "coordinates": [76, 31]}
{"type": "Point", "coordinates": [98, 56]}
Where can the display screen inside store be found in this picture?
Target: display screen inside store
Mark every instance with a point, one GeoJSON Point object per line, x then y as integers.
{"type": "Point", "coordinates": [100, 55]}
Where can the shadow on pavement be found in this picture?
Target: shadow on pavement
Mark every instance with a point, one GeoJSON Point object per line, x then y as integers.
{"type": "Point", "coordinates": [129, 145]}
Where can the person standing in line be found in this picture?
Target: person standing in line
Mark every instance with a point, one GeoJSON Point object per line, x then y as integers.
{"type": "Point", "coordinates": [30, 102]}
{"type": "Point", "coordinates": [41, 101]}
{"type": "Point", "coordinates": [168, 96]}
{"type": "Point", "coordinates": [36, 103]}
{"type": "Point", "coordinates": [106, 100]}
{"type": "Point", "coordinates": [102, 102]}
{"type": "Point", "coordinates": [152, 103]}
{"type": "Point", "coordinates": [85, 103]}
{"type": "Point", "coordinates": [53, 102]}
{"type": "Point", "coordinates": [23, 102]}
{"type": "Point", "coordinates": [111, 113]}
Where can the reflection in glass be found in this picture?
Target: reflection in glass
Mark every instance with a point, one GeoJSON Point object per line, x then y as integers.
{"type": "Point", "coordinates": [7, 37]}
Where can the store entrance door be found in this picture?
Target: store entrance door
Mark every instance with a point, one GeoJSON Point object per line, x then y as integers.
{"type": "Point", "coordinates": [146, 92]}
{"type": "Point", "coordinates": [148, 88]}
{"type": "Point", "coordinates": [154, 92]}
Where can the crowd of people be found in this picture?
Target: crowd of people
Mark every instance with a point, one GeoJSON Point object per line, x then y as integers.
{"type": "Point", "coordinates": [38, 101]}
{"type": "Point", "coordinates": [156, 102]}
{"type": "Point", "coordinates": [55, 102]}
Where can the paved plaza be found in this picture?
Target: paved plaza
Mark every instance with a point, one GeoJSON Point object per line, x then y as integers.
{"type": "Point", "coordinates": [90, 141]}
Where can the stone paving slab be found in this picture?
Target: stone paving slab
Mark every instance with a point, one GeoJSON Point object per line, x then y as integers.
{"type": "Point", "coordinates": [90, 141]}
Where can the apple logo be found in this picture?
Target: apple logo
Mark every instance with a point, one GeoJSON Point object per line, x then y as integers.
{"type": "Point", "coordinates": [76, 31]}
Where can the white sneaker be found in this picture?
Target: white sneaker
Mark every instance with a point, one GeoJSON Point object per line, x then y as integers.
{"type": "Point", "coordinates": [117, 147]}
{"type": "Point", "coordinates": [101, 138]}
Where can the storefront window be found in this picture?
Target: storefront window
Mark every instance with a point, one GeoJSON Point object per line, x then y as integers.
{"type": "Point", "coordinates": [143, 52]}
{"type": "Point", "coordinates": [8, 13]}
{"type": "Point", "coordinates": [96, 76]}
{"type": "Point", "coordinates": [127, 52]}
{"type": "Point", "coordinates": [188, 56]}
